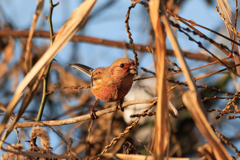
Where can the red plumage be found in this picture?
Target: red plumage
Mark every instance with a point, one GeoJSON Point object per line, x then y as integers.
{"type": "Point", "coordinates": [111, 83]}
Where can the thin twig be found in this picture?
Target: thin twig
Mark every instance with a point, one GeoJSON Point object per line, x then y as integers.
{"type": "Point", "coordinates": [88, 150]}
{"type": "Point", "coordinates": [130, 34]}
{"type": "Point", "coordinates": [70, 87]}
{"type": "Point", "coordinates": [144, 146]}
{"type": "Point", "coordinates": [226, 140]}
{"type": "Point", "coordinates": [195, 24]}
{"type": "Point", "coordinates": [229, 25]}
{"type": "Point", "coordinates": [220, 46]}
{"type": "Point", "coordinates": [228, 105]}
{"type": "Point", "coordinates": [143, 115]}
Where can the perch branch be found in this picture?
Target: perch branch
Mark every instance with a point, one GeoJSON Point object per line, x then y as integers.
{"type": "Point", "coordinates": [80, 118]}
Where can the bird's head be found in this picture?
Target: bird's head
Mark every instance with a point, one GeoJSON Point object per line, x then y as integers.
{"type": "Point", "coordinates": [122, 68]}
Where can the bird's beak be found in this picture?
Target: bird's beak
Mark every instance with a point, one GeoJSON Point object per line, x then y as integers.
{"type": "Point", "coordinates": [133, 70]}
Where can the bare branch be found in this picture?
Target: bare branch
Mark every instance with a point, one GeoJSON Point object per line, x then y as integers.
{"type": "Point", "coordinates": [105, 42]}
{"type": "Point", "coordinates": [80, 118]}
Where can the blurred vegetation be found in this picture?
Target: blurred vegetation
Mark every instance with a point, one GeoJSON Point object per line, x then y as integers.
{"type": "Point", "coordinates": [185, 138]}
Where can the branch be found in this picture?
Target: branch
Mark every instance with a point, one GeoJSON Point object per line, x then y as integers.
{"type": "Point", "coordinates": [80, 118]}
{"type": "Point", "coordinates": [140, 157]}
{"type": "Point", "coordinates": [75, 23]}
{"type": "Point", "coordinates": [36, 154]}
{"type": "Point", "coordinates": [105, 42]}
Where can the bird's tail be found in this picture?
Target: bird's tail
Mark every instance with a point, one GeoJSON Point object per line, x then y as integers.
{"type": "Point", "coordinates": [82, 68]}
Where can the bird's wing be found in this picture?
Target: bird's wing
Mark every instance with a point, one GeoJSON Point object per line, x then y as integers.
{"type": "Point", "coordinates": [83, 68]}
{"type": "Point", "coordinates": [97, 77]}
{"type": "Point", "coordinates": [98, 73]}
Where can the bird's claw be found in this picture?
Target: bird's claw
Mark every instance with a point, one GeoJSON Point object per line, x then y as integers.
{"type": "Point", "coordinates": [119, 105]}
{"type": "Point", "coordinates": [121, 108]}
{"type": "Point", "coordinates": [93, 115]}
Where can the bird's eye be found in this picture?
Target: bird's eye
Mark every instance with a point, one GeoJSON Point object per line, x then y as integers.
{"type": "Point", "coordinates": [122, 65]}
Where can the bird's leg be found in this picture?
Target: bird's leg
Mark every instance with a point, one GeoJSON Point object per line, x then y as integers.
{"type": "Point", "coordinates": [119, 105]}
{"type": "Point", "coordinates": [93, 114]}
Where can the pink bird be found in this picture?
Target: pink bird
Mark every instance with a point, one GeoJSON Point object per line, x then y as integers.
{"type": "Point", "coordinates": [112, 83]}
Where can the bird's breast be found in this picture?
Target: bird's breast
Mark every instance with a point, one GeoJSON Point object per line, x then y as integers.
{"type": "Point", "coordinates": [109, 90]}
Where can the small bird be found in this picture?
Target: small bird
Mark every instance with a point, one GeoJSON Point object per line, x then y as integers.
{"type": "Point", "coordinates": [110, 84]}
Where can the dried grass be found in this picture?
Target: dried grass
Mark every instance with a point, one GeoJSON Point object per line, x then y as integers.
{"type": "Point", "coordinates": [111, 133]}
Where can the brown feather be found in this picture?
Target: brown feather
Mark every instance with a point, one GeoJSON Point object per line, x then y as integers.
{"type": "Point", "coordinates": [83, 68]}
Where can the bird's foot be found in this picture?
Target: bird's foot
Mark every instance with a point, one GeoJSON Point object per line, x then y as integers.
{"type": "Point", "coordinates": [119, 105]}
{"type": "Point", "coordinates": [93, 115]}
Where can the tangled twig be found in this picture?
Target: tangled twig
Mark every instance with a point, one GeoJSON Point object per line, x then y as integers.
{"type": "Point", "coordinates": [229, 25]}
{"type": "Point", "coordinates": [231, 102]}
{"type": "Point", "coordinates": [114, 141]}
{"type": "Point", "coordinates": [70, 87]}
{"type": "Point", "coordinates": [143, 114]}
{"type": "Point", "coordinates": [129, 33]}
{"type": "Point", "coordinates": [226, 140]}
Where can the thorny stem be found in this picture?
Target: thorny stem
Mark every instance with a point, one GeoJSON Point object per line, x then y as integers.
{"type": "Point", "coordinates": [45, 78]}
{"type": "Point", "coordinates": [50, 20]}
{"type": "Point", "coordinates": [44, 96]}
